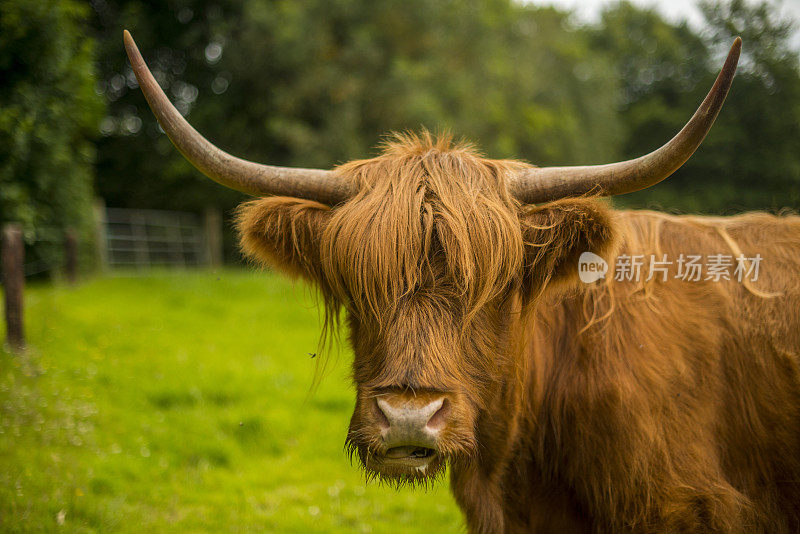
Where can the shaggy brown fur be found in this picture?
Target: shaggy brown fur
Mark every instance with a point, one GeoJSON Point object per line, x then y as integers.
{"type": "Point", "coordinates": [612, 407]}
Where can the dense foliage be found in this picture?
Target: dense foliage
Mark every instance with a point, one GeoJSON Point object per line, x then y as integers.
{"type": "Point", "coordinates": [319, 82]}
{"type": "Point", "coordinates": [751, 158]}
{"type": "Point", "coordinates": [48, 115]}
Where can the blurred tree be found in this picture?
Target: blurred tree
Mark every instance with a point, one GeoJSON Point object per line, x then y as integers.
{"type": "Point", "coordinates": [183, 41]}
{"type": "Point", "coordinates": [750, 159]}
{"type": "Point", "coordinates": [756, 156]}
{"type": "Point", "coordinates": [48, 115]}
{"type": "Point", "coordinates": [663, 69]}
{"type": "Point", "coordinates": [507, 76]}
{"type": "Point", "coordinates": [319, 82]}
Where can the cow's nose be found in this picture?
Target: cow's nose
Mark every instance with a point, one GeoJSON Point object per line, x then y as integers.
{"type": "Point", "coordinates": [411, 421]}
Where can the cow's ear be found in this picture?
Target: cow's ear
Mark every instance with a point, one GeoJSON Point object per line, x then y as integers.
{"type": "Point", "coordinates": [557, 233]}
{"type": "Point", "coordinates": [284, 233]}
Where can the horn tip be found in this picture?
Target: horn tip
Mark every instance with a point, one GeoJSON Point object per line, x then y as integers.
{"type": "Point", "coordinates": [128, 39]}
{"type": "Point", "coordinates": [737, 45]}
{"type": "Point", "coordinates": [733, 55]}
{"type": "Point", "coordinates": [132, 50]}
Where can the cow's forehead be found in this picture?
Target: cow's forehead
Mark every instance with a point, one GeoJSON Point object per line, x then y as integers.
{"type": "Point", "coordinates": [440, 164]}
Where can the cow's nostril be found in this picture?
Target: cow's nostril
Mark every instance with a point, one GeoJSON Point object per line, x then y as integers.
{"type": "Point", "coordinates": [410, 420]}
{"type": "Point", "coordinates": [380, 416]}
{"type": "Point", "coordinates": [439, 419]}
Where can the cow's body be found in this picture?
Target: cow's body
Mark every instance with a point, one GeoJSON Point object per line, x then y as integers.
{"type": "Point", "coordinates": [643, 406]}
{"type": "Point", "coordinates": [660, 406]}
{"type": "Point", "coordinates": [677, 409]}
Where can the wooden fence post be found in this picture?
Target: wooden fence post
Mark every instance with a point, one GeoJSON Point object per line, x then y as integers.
{"type": "Point", "coordinates": [100, 237]}
{"type": "Point", "coordinates": [71, 255]}
{"type": "Point", "coordinates": [212, 222]}
{"type": "Point", "coordinates": [13, 270]}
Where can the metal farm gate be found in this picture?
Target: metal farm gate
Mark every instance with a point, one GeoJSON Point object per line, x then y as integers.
{"type": "Point", "coordinates": [153, 238]}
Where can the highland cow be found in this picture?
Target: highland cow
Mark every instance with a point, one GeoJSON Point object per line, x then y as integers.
{"type": "Point", "coordinates": [652, 404]}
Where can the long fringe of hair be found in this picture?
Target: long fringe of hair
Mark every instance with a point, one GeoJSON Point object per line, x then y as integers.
{"type": "Point", "coordinates": [431, 215]}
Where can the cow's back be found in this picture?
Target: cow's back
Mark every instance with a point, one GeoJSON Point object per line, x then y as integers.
{"type": "Point", "coordinates": [676, 404]}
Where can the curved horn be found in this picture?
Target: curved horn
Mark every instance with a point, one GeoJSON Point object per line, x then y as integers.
{"type": "Point", "coordinates": [551, 183]}
{"type": "Point", "coordinates": [230, 171]}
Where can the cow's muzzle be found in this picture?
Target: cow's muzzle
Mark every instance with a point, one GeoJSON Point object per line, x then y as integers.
{"type": "Point", "coordinates": [410, 425]}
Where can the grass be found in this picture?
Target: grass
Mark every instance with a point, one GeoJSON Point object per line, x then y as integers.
{"type": "Point", "coordinates": [180, 403]}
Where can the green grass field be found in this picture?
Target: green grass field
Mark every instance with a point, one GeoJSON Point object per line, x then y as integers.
{"type": "Point", "coordinates": [180, 402]}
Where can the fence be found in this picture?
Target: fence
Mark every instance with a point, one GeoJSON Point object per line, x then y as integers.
{"type": "Point", "coordinates": [124, 238]}
{"type": "Point", "coordinates": [147, 238]}
{"type": "Point", "coordinates": [60, 254]}
{"type": "Point", "coordinates": [13, 260]}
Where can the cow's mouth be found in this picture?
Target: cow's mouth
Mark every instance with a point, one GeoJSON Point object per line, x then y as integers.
{"type": "Point", "coordinates": [400, 459]}
{"type": "Point", "coordinates": [409, 453]}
